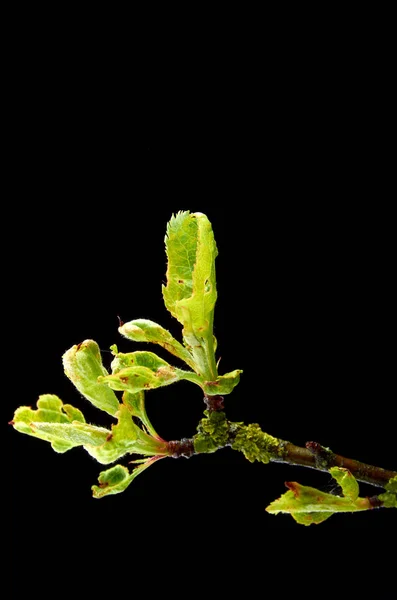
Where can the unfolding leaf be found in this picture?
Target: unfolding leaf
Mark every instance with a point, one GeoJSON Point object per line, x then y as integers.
{"type": "Point", "coordinates": [116, 479]}
{"type": "Point", "coordinates": [224, 384]}
{"type": "Point", "coordinates": [135, 379]}
{"type": "Point", "coordinates": [137, 371]}
{"type": "Point", "coordinates": [347, 482]}
{"type": "Point", "coordinates": [308, 505]}
{"type": "Point", "coordinates": [126, 438]}
{"type": "Point", "coordinates": [190, 294]}
{"type": "Point", "coordinates": [65, 428]}
{"type": "Point", "coordinates": [83, 365]}
{"type": "Point", "coordinates": [61, 424]}
{"type": "Point", "coordinates": [137, 359]}
{"type": "Point", "coordinates": [136, 405]}
{"type": "Point", "coordinates": [143, 330]}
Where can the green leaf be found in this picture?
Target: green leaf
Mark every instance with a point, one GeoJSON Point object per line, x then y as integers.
{"type": "Point", "coordinates": [308, 505]}
{"type": "Point", "coordinates": [83, 365]}
{"type": "Point", "coordinates": [61, 424]}
{"type": "Point", "coordinates": [126, 437]}
{"type": "Point", "coordinates": [190, 294]}
{"type": "Point", "coordinates": [136, 371]}
{"type": "Point", "coordinates": [65, 428]}
{"type": "Point", "coordinates": [347, 482]}
{"type": "Point", "coordinates": [143, 330]}
{"type": "Point", "coordinates": [137, 359]}
{"type": "Point", "coordinates": [224, 384]}
{"type": "Point", "coordinates": [116, 479]}
{"type": "Point", "coordinates": [136, 406]}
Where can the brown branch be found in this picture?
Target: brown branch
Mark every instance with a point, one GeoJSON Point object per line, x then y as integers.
{"type": "Point", "coordinates": [317, 457]}
{"type": "Point", "coordinates": [215, 432]}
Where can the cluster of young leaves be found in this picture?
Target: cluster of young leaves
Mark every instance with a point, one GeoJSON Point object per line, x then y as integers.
{"type": "Point", "coordinates": [190, 296]}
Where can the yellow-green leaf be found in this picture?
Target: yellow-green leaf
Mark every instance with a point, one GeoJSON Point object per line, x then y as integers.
{"type": "Point", "coordinates": [126, 438]}
{"type": "Point", "coordinates": [190, 294]}
{"type": "Point", "coordinates": [308, 505]}
{"type": "Point", "coordinates": [116, 479]}
{"type": "Point", "coordinates": [60, 424]}
{"type": "Point", "coordinates": [83, 365]}
{"type": "Point", "coordinates": [143, 330]}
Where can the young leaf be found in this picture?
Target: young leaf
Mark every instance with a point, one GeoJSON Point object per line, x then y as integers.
{"type": "Point", "coordinates": [83, 365]}
{"type": "Point", "coordinates": [61, 424]}
{"type": "Point", "coordinates": [308, 505]}
{"type": "Point", "coordinates": [126, 438]}
{"type": "Point", "coordinates": [190, 294]}
{"type": "Point", "coordinates": [138, 359]}
{"type": "Point", "coordinates": [143, 330]}
{"type": "Point", "coordinates": [137, 378]}
{"type": "Point", "coordinates": [136, 406]}
{"type": "Point", "coordinates": [224, 384]}
{"type": "Point", "coordinates": [137, 371]}
{"type": "Point", "coordinates": [347, 482]}
{"type": "Point", "coordinates": [76, 434]}
{"type": "Point", "coordinates": [116, 479]}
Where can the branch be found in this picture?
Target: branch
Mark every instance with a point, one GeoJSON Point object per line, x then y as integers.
{"type": "Point", "coordinates": [216, 432]}
{"type": "Point", "coordinates": [317, 457]}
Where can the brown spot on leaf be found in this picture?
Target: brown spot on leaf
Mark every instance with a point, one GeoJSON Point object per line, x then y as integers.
{"type": "Point", "coordinates": [124, 379]}
{"type": "Point", "coordinates": [79, 346]}
{"type": "Point", "coordinates": [181, 281]}
{"type": "Point", "coordinates": [109, 437]}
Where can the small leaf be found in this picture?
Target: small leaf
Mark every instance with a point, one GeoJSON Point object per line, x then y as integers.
{"type": "Point", "coordinates": [137, 371]}
{"type": "Point", "coordinates": [308, 505]}
{"type": "Point", "coordinates": [347, 482]}
{"type": "Point", "coordinates": [137, 359]}
{"type": "Point", "coordinates": [116, 479]}
{"type": "Point", "coordinates": [143, 330]}
{"type": "Point", "coordinates": [135, 379]}
{"type": "Point", "coordinates": [61, 424]}
{"type": "Point", "coordinates": [126, 437]}
{"type": "Point", "coordinates": [224, 384]}
{"type": "Point", "coordinates": [83, 365]}
{"type": "Point", "coordinates": [136, 406]}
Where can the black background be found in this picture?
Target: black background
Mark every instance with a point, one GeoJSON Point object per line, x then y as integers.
{"type": "Point", "coordinates": [290, 165]}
